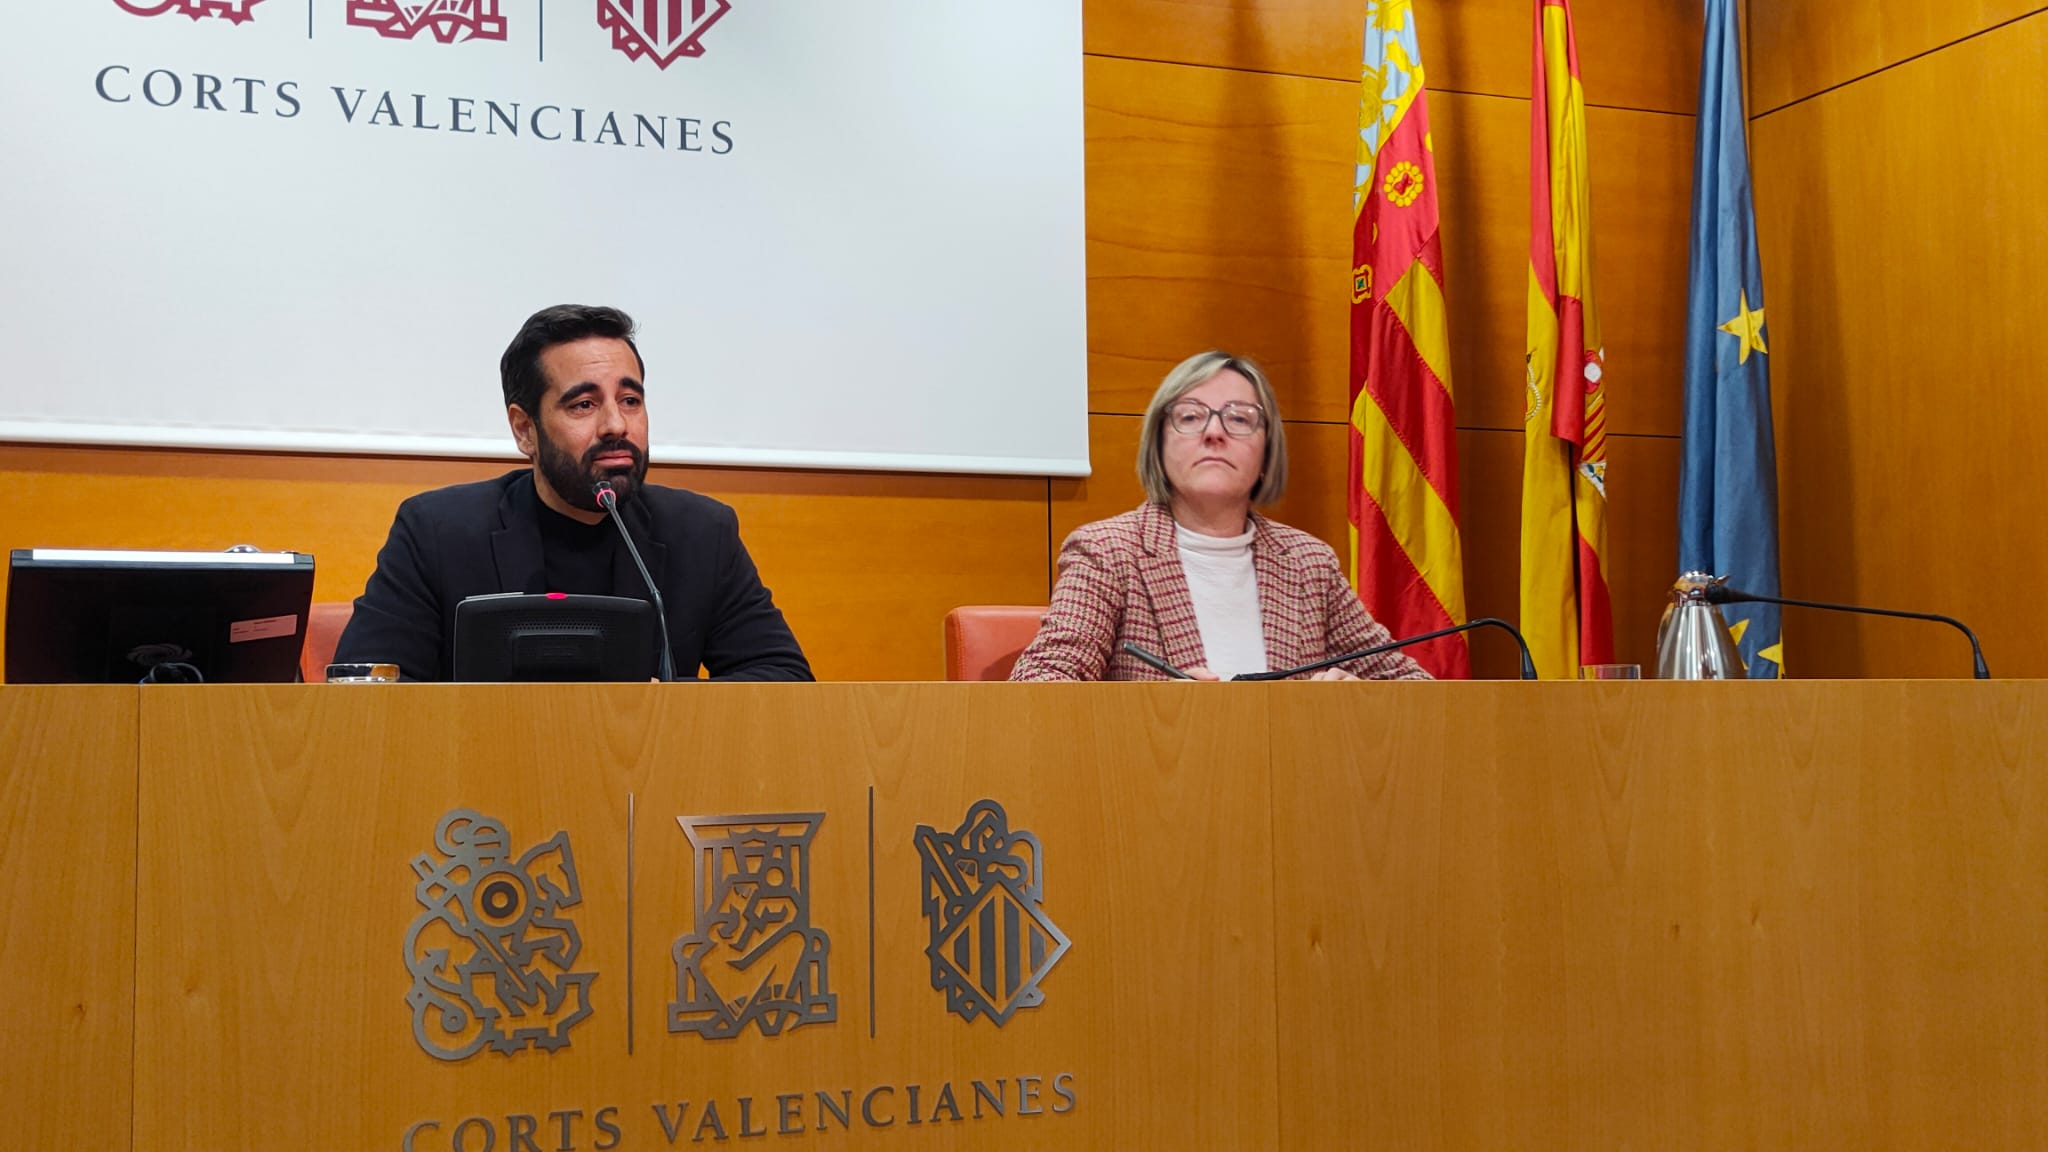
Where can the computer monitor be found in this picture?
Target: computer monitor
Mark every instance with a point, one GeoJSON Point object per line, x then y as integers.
{"type": "Point", "coordinates": [555, 636]}
{"type": "Point", "coordinates": [84, 616]}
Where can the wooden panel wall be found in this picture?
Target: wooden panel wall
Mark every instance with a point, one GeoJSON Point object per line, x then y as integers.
{"type": "Point", "coordinates": [1801, 47]}
{"type": "Point", "coordinates": [1899, 217]}
{"type": "Point", "coordinates": [1643, 55]}
{"type": "Point", "coordinates": [1219, 158]}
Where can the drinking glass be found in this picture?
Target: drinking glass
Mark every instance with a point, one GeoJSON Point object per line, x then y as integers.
{"type": "Point", "coordinates": [362, 673]}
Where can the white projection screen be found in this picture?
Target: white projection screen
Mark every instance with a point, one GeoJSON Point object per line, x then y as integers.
{"type": "Point", "coordinates": [851, 230]}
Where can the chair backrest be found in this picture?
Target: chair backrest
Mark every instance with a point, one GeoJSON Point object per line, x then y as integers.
{"type": "Point", "coordinates": [324, 623]}
{"type": "Point", "coordinates": [984, 640]}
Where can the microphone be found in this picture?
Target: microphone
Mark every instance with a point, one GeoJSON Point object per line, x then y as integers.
{"type": "Point", "coordinates": [1723, 594]}
{"type": "Point", "coordinates": [608, 500]}
{"type": "Point", "coordinates": [1528, 664]}
{"type": "Point", "coordinates": [1156, 661]}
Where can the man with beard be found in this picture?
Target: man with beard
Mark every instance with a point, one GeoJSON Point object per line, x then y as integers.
{"type": "Point", "coordinates": [576, 400]}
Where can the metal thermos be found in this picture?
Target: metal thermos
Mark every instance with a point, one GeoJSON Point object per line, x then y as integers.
{"type": "Point", "coordinates": [1693, 641]}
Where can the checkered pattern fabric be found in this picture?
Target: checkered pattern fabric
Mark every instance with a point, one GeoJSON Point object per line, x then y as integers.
{"type": "Point", "coordinates": [1121, 579]}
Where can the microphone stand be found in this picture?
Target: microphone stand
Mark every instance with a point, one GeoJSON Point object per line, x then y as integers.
{"type": "Point", "coordinates": [608, 500]}
{"type": "Point", "coordinates": [1528, 664]}
{"type": "Point", "coordinates": [1155, 660]}
{"type": "Point", "coordinates": [1722, 594]}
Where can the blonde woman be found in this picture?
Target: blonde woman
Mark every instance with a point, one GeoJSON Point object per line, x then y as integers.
{"type": "Point", "coordinates": [1194, 575]}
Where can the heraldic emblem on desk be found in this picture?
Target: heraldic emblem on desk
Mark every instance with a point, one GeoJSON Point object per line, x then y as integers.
{"type": "Point", "coordinates": [491, 956]}
{"type": "Point", "coordinates": [754, 956]}
{"type": "Point", "coordinates": [991, 941]}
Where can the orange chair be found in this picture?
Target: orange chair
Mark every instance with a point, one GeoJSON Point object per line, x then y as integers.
{"type": "Point", "coordinates": [983, 641]}
{"type": "Point", "coordinates": [323, 631]}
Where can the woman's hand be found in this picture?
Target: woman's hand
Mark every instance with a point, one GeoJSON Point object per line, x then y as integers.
{"type": "Point", "coordinates": [1198, 672]}
{"type": "Point", "coordinates": [1333, 674]}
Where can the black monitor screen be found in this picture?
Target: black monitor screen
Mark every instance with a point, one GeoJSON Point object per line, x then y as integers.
{"type": "Point", "coordinates": [77, 616]}
{"type": "Point", "coordinates": [554, 636]}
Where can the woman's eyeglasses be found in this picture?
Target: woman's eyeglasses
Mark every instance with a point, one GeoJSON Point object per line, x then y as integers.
{"type": "Point", "coordinates": [1191, 418]}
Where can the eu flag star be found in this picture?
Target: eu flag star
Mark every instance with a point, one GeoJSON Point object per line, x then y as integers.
{"type": "Point", "coordinates": [1748, 329]}
{"type": "Point", "coordinates": [1775, 653]}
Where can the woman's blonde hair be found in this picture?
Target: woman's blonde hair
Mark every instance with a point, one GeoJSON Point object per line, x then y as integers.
{"type": "Point", "coordinates": [1189, 374]}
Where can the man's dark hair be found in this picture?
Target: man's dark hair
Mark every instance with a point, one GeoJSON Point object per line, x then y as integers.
{"type": "Point", "coordinates": [520, 369]}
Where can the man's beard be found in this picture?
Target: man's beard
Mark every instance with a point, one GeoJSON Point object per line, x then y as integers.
{"type": "Point", "coordinates": [572, 478]}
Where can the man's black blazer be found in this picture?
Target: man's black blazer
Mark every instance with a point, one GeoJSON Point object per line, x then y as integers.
{"type": "Point", "coordinates": [476, 539]}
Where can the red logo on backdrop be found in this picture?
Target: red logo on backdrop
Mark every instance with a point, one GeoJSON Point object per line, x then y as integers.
{"type": "Point", "coordinates": [233, 11]}
{"type": "Point", "coordinates": [662, 30]}
{"type": "Point", "coordinates": [448, 20]}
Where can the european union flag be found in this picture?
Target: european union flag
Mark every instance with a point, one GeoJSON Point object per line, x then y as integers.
{"type": "Point", "coordinates": [1728, 489]}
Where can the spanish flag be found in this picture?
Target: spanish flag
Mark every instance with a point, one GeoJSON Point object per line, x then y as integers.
{"type": "Point", "coordinates": [1565, 612]}
{"type": "Point", "coordinates": [1406, 561]}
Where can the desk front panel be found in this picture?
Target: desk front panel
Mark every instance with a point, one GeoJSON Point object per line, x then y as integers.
{"type": "Point", "coordinates": [67, 913]}
{"type": "Point", "coordinates": [1656, 915]}
{"type": "Point", "coordinates": [777, 981]}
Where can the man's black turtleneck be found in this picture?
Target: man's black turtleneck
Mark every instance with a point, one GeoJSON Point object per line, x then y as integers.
{"type": "Point", "coordinates": [578, 557]}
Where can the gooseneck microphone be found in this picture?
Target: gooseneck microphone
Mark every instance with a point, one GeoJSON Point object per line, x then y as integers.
{"type": "Point", "coordinates": [1528, 665]}
{"type": "Point", "coordinates": [608, 500]}
{"type": "Point", "coordinates": [1723, 594]}
{"type": "Point", "coordinates": [1155, 660]}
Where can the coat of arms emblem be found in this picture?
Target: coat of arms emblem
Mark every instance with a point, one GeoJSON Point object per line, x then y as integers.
{"type": "Point", "coordinates": [991, 941]}
{"type": "Point", "coordinates": [664, 31]}
{"type": "Point", "coordinates": [449, 20]}
{"type": "Point", "coordinates": [754, 957]}
{"type": "Point", "coordinates": [233, 11]}
{"type": "Point", "coordinates": [491, 956]}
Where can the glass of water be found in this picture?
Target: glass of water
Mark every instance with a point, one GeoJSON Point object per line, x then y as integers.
{"type": "Point", "coordinates": [362, 673]}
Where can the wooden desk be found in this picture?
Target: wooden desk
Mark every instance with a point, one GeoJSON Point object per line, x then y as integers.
{"type": "Point", "coordinates": [67, 913]}
{"type": "Point", "coordinates": [1305, 916]}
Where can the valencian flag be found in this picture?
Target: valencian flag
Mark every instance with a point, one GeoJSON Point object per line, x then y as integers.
{"type": "Point", "coordinates": [1565, 611]}
{"type": "Point", "coordinates": [1728, 489]}
{"type": "Point", "coordinates": [1403, 481]}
